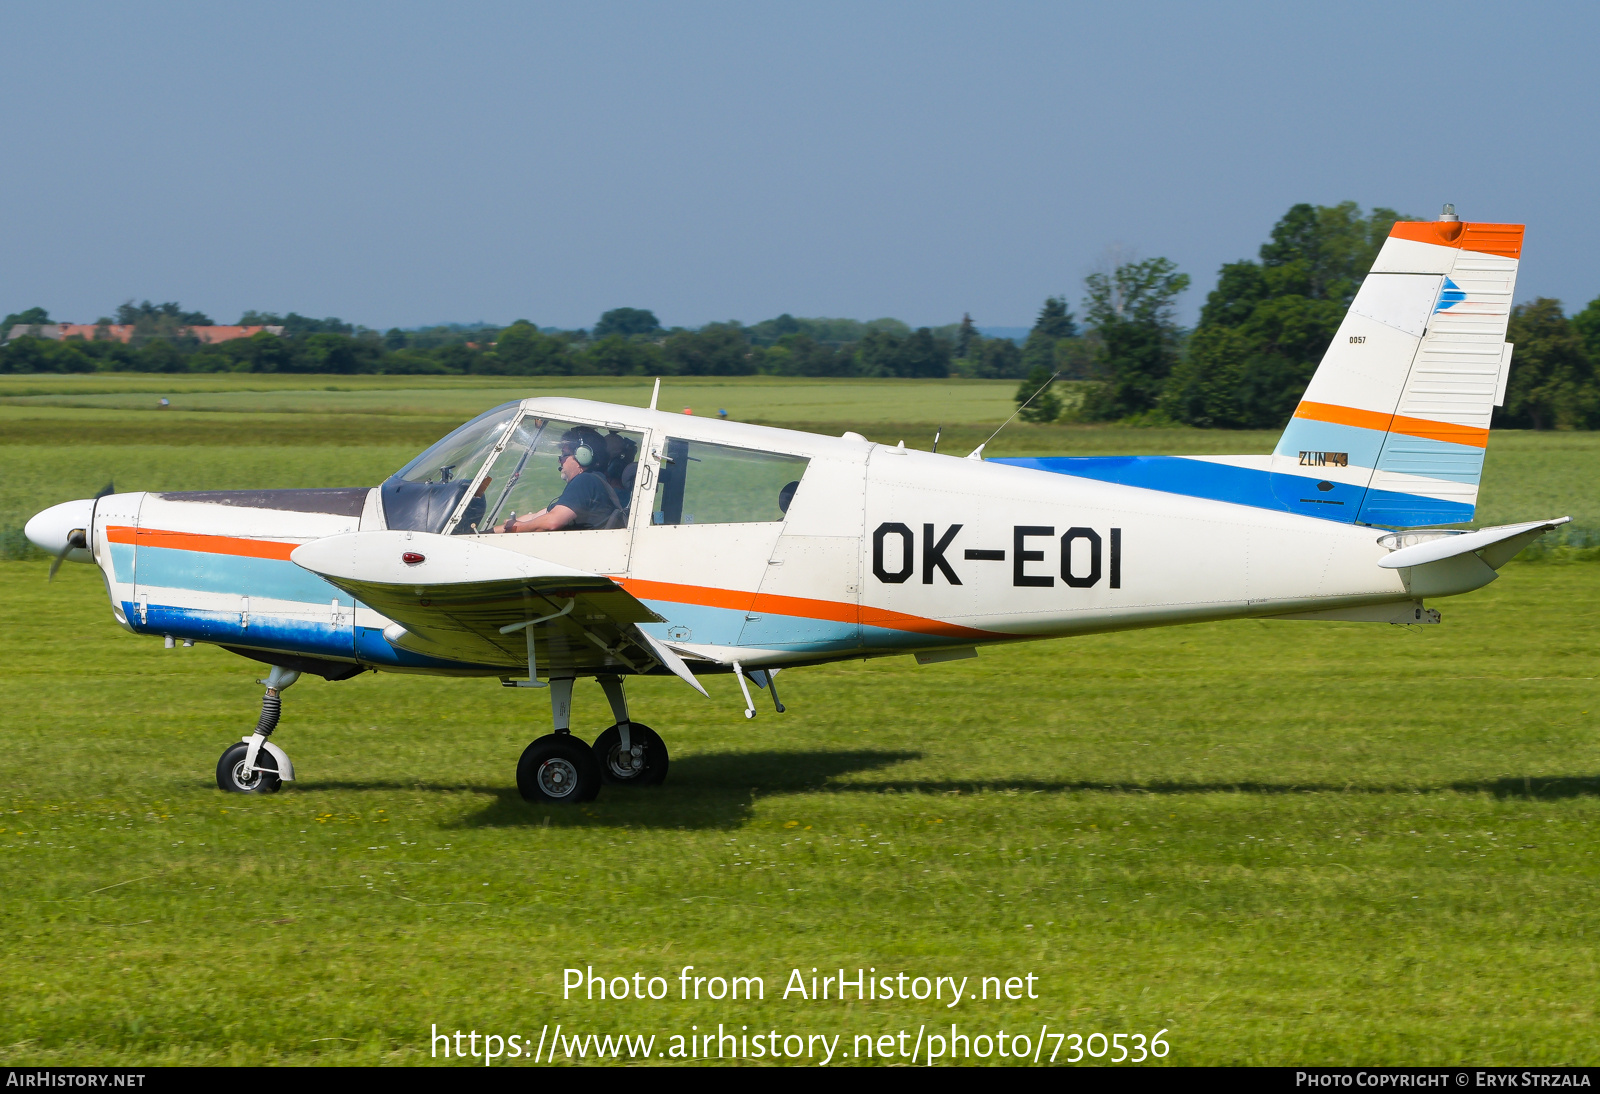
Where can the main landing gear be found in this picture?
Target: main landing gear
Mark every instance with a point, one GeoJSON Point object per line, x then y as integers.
{"type": "Point", "coordinates": [559, 769]}
{"type": "Point", "coordinates": [255, 765]}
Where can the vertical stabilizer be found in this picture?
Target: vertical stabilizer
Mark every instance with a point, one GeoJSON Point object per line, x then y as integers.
{"type": "Point", "coordinates": [1393, 426]}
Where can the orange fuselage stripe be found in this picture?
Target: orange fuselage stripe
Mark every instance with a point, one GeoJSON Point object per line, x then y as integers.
{"type": "Point", "coordinates": [1394, 423]}
{"type": "Point", "coordinates": [194, 541]}
{"type": "Point", "coordinates": [801, 607]}
{"type": "Point", "coordinates": [701, 595]}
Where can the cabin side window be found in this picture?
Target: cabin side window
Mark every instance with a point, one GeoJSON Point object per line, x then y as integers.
{"type": "Point", "coordinates": [704, 483]}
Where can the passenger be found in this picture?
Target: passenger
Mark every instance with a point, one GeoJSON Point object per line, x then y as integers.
{"type": "Point", "coordinates": [622, 464]}
{"type": "Point", "coordinates": [786, 496]}
{"type": "Point", "coordinates": [588, 500]}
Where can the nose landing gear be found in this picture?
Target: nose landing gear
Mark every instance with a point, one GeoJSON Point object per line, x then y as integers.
{"type": "Point", "coordinates": [255, 765]}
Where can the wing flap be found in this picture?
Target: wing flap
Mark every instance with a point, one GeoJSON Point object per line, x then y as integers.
{"type": "Point", "coordinates": [451, 597]}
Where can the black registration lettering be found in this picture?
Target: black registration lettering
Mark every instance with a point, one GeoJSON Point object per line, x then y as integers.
{"type": "Point", "coordinates": [1021, 557]}
{"type": "Point", "coordinates": [933, 555]}
{"type": "Point", "coordinates": [1092, 538]}
{"type": "Point", "coordinates": [908, 546]}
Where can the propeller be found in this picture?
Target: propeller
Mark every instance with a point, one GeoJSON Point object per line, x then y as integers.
{"type": "Point", "coordinates": [76, 539]}
{"type": "Point", "coordinates": [108, 488]}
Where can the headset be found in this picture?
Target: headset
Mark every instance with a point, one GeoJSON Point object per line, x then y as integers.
{"type": "Point", "coordinates": [582, 451]}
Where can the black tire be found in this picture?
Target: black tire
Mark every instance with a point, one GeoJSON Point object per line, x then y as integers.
{"type": "Point", "coordinates": [558, 769]}
{"type": "Point", "coordinates": [652, 765]}
{"type": "Point", "coordinates": [231, 776]}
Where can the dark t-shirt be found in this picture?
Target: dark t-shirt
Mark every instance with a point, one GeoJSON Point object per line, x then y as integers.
{"type": "Point", "coordinates": [589, 498]}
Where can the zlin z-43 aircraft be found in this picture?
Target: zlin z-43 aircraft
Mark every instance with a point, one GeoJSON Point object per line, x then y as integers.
{"type": "Point", "coordinates": [683, 545]}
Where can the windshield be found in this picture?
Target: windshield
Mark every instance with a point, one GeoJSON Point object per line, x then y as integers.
{"type": "Point", "coordinates": [462, 453]}
{"type": "Point", "coordinates": [423, 494]}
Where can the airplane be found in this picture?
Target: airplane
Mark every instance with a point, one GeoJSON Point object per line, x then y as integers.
{"type": "Point", "coordinates": [688, 546]}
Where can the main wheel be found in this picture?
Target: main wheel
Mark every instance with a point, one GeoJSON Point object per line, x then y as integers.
{"type": "Point", "coordinates": [643, 765]}
{"type": "Point", "coordinates": [232, 777]}
{"type": "Point", "coordinates": [558, 769]}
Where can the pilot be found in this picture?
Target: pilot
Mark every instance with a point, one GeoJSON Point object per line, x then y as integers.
{"type": "Point", "coordinates": [588, 500]}
{"type": "Point", "coordinates": [473, 514]}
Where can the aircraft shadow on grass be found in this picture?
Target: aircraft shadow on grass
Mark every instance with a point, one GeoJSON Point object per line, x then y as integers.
{"type": "Point", "coordinates": [714, 790]}
{"type": "Point", "coordinates": [720, 790]}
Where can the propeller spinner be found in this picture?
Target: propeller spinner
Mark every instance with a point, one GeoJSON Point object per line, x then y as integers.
{"type": "Point", "coordinates": [63, 531]}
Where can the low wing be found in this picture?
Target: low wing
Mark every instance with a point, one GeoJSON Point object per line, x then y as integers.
{"type": "Point", "coordinates": [453, 597]}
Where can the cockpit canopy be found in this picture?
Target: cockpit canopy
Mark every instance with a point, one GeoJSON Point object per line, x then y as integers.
{"type": "Point", "coordinates": [503, 463]}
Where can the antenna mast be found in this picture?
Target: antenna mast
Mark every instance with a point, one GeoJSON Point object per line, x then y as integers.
{"type": "Point", "coordinates": [977, 453]}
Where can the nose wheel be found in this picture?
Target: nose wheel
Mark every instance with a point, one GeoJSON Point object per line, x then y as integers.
{"type": "Point", "coordinates": [642, 763]}
{"type": "Point", "coordinates": [236, 775]}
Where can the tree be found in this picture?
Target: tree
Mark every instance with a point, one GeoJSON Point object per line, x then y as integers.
{"type": "Point", "coordinates": [966, 336]}
{"type": "Point", "coordinates": [1264, 328]}
{"type": "Point", "coordinates": [160, 355]}
{"type": "Point", "coordinates": [1000, 359]}
{"type": "Point", "coordinates": [523, 351]}
{"type": "Point", "coordinates": [1552, 384]}
{"type": "Point", "coordinates": [628, 322]}
{"type": "Point", "coordinates": [33, 317]}
{"type": "Point", "coordinates": [1055, 322]}
{"type": "Point", "coordinates": [616, 356]}
{"type": "Point", "coordinates": [30, 354]}
{"type": "Point", "coordinates": [919, 354]}
{"type": "Point", "coordinates": [716, 349]}
{"type": "Point", "coordinates": [163, 318]}
{"type": "Point", "coordinates": [394, 339]}
{"type": "Point", "coordinates": [1043, 408]}
{"type": "Point", "coordinates": [1131, 310]}
{"type": "Point", "coordinates": [1587, 326]}
{"type": "Point", "coordinates": [803, 355]}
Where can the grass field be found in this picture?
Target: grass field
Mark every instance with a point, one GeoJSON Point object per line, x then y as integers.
{"type": "Point", "coordinates": [1281, 842]}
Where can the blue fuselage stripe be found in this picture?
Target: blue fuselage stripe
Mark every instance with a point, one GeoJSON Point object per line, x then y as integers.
{"type": "Point", "coordinates": [1341, 502]}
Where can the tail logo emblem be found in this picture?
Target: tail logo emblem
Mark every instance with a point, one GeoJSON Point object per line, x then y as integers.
{"type": "Point", "coordinates": [1449, 297]}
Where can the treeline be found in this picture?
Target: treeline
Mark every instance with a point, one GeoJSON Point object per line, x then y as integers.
{"type": "Point", "coordinates": [1244, 365]}
{"type": "Point", "coordinates": [625, 342]}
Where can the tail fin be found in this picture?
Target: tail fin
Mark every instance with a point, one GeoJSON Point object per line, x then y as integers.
{"type": "Point", "coordinates": [1394, 424]}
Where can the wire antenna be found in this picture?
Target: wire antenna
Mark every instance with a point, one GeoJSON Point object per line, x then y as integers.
{"type": "Point", "coordinates": [976, 453]}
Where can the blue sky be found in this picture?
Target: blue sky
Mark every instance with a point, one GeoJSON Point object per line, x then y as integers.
{"type": "Point", "coordinates": [398, 164]}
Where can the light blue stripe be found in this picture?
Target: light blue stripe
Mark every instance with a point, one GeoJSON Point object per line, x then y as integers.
{"type": "Point", "coordinates": [730, 627]}
{"type": "Point", "coordinates": [1305, 435]}
{"type": "Point", "coordinates": [1432, 459]}
{"type": "Point", "coordinates": [122, 562]}
{"type": "Point", "coordinates": [202, 571]}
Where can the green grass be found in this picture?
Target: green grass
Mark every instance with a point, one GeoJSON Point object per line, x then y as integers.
{"type": "Point", "coordinates": [1283, 842]}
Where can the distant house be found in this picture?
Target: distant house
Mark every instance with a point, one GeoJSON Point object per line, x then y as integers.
{"type": "Point", "coordinates": [123, 332]}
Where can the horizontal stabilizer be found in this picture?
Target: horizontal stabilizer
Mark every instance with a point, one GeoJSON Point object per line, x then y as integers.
{"type": "Point", "coordinates": [1498, 545]}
